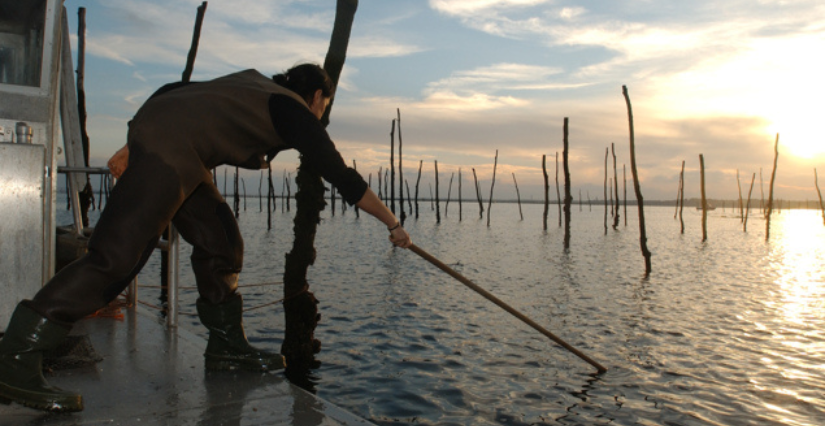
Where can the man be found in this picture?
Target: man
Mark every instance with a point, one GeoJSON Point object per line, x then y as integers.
{"type": "Point", "coordinates": [181, 133]}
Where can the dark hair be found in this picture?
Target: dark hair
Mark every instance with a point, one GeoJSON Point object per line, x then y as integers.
{"type": "Point", "coordinates": [305, 80]}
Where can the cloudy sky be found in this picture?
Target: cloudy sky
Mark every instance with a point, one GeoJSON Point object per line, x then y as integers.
{"type": "Point", "coordinates": [474, 76]}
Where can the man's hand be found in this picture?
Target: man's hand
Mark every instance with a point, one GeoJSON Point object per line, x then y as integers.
{"type": "Point", "coordinates": [118, 163]}
{"type": "Point", "coordinates": [400, 237]}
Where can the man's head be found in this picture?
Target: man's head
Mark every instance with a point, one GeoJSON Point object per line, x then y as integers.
{"type": "Point", "coordinates": [310, 82]}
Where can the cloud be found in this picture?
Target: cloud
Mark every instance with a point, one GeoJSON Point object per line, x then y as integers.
{"type": "Point", "coordinates": [464, 7]}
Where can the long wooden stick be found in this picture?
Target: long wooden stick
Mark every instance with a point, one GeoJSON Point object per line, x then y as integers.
{"type": "Point", "coordinates": [489, 296]}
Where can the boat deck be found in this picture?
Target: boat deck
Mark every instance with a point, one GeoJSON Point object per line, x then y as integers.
{"type": "Point", "coordinates": [150, 375]}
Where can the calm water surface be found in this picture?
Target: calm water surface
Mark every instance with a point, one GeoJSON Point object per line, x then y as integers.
{"type": "Point", "coordinates": [725, 332]}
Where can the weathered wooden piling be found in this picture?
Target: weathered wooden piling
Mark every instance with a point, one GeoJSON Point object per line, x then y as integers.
{"type": "Point", "coordinates": [704, 199]}
{"type": "Point", "coordinates": [417, 183]}
{"type": "Point", "coordinates": [300, 306]}
{"type": "Point", "coordinates": [392, 167]}
{"type": "Point", "coordinates": [636, 185]}
{"type": "Point", "coordinates": [492, 185]}
{"type": "Point", "coordinates": [818, 192]}
{"type": "Point", "coordinates": [606, 153]}
{"type": "Point", "coordinates": [558, 193]}
{"type": "Point", "coordinates": [380, 186]}
{"type": "Point", "coordinates": [86, 194]}
{"type": "Point", "coordinates": [741, 205]}
{"type": "Point", "coordinates": [478, 195]}
{"type": "Point", "coordinates": [568, 199]}
{"type": "Point", "coordinates": [770, 193]}
{"type": "Point", "coordinates": [546, 190]}
{"type": "Point", "coordinates": [748, 205]}
{"type": "Point", "coordinates": [449, 195]}
{"type": "Point", "coordinates": [681, 197]}
{"type": "Point", "coordinates": [616, 214]}
{"type": "Point", "coordinates": [437, 203]}
{"type": "Point", "coordinates": [518, 197]}
{"type": "Point", "coordinates": [403, 215]}
{"type": "Point", "coordinates": [460, 204]}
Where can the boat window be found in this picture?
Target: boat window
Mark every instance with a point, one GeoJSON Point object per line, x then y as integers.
{"type": "Point", "coordinates": [22, 28]}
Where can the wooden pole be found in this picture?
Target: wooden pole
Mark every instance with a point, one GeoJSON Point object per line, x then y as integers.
{"type": "Point", "coordinates": [770, 193]}
{"type": "Point", "coordinates": [681, 197]}
{"type": "Point", "coordinates": [604, 186]}
{"type": "Point", "coordinates": [193, 49]}
{"type": "Point", "coordinates": [818, 192]}
{"type": "Point", "coordinates": [403, 215]}
{"type": "Point", "coordinates": [636, 186]}
{"type": "Point", "coordinates": [380, 186]}
{"type": "Point", "coordinates": [704, 199]}
{"type": "Point", "coordinates": [568, 198]}
{"type": "Point", "coordinates": [449, 194]}
{"type": "Point", "coordinates": [493, 184]}
{"type": "Point", "coordinates": [546, 189]}
{"type": "Point", "coordinates": [460, 203]}
{"type": "Point", "coordinates": [478, 195]}
{"type": "Point", "coordinates": [437, 201]}
{"type": "Point", "coordinates": [417, 183]}
{"type": "Point", "coordinates": [392, 168]}
{"type": "Point", "coordinates": [518, 196]}
{"type": "Point", "coordinates": [558, 193]}
{"type": "Point", "coordinates": [748, 205]}
{"type": "Point", "coordinates": [357, 210]}
{"type": "Point", "coordinates": [615, 186]}
{"type": "Point", "coordinates": [741, 205]}
{"type": "Point", "coordinates": [489, 296]}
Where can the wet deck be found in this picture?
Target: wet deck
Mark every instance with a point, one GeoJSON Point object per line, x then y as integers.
{"type": "Point", "coordinates": [152, 376]}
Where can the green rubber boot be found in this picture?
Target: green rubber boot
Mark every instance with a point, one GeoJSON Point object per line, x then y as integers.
{"type": "Point", "coordinates": [227, 347]}
{"type": "Point", "coordinates": [27, 337]}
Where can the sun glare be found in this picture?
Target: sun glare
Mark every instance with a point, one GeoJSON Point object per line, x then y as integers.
{"type": "Point", "coordinates": [800, 135]}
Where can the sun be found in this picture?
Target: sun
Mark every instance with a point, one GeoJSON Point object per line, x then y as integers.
{"type": "Point", "coordinates": [800, 133]}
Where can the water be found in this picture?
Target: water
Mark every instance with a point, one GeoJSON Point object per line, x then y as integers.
{"type": "Point", "coordinates": [725, 332]}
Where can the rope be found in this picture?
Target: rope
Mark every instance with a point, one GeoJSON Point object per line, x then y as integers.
{"type": "Point", "coordinates": [303, 290]}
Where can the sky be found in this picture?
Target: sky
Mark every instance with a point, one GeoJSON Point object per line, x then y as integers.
{"type": "Point", "coordinates": [474, 77]}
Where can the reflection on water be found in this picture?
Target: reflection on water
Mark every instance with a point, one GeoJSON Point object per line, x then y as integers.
{"type": "Point", "coordinates": [725, 332]}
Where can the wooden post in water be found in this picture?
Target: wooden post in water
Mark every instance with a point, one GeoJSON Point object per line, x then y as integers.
{"type": "Point", "coordinates": [624, 186]}
{"type": "Point", "coordinates": [460, 204]}
{"type": "Point", "coordinates": [392, 168]}
{"type": "Point", "coordinates": [616, 187]}
{"type": "Point", "coordinates": [518, 197]}
{"type": "Point", "coordinates": [380, 192]}
{"type": "Point", "coordinates": [437, 203]}
{"type": "Point", "coordinates": [770, 194]}
{"type": "Point", "coordinates": [558, 193]}
{"type": "Point", "coordinates": [636, 186]}
{"type": "Point", "coordinates": [568, 198]}
{"type": "Point", "coordinates": [269, 190]}
{"type": "Point", "coordinates": [818, 192]}
{"type": "Point", "coordinates": [300, 305]}
{"type": "Point", "coordinates": [86, 194]}
{"type": "Point", "coordinates": [357, 210]}
{"type": "Point", "coordinates": [546, 189]}
{"type": "Point", "coordinates": [417, 183]}
{"type": "Point", "coordinates": [741, 205]}
{"type": "Point", "coordinates": [478, 195]}
{"type": "Point", "coordinates": [748, 205]}
{"type": "Point", "coordinates": [606, 153]}
{"type": "Point", "coordinates": [493, 184]}
{"type": "Point", "coordinates": [236, 197]}
{"type": "Point", "coordinates": [681, 197]}
{"type": "Point", "coordinates": [704, 199]}
{"type": "Point", "coordinates": [403, 215]}
{"type": "Point", "coordinates": [449, 194]}
{"type": "Point", "coordinates": [409, 198]}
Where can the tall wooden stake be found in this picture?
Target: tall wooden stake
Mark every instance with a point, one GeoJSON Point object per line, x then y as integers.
{"type": "Point", "coordinates": [437, 202]}
{"type": "Point", "coordinates": [770, 193]}
{"type": "Point", "coordinates": [493, 184]}
{"type": "Point", "coordinates": [546, 189]}
{"type": "Point", "coordinates": [704, 199]}
{"type": "Point", "coordinates": [615, 186]}
{"type": "Point", "coordinates": [518, 196]}
{"type": "Point", "coordinates": [636, 186]}
{"type": "Point", "coordinates": [748, 205]}
{"type": "Point", "coordinates": [403, 215]}
{"type": "Point", "coordinates": [478, 195]}
{"type": "Point", "coordinates": [821, 204]}
{"type": "Point", "coordinates": [417, 183]}
{"type": "Point", "coordinates": [681, 197]}
{"type": "Point", "coordinates": [568, 198]}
